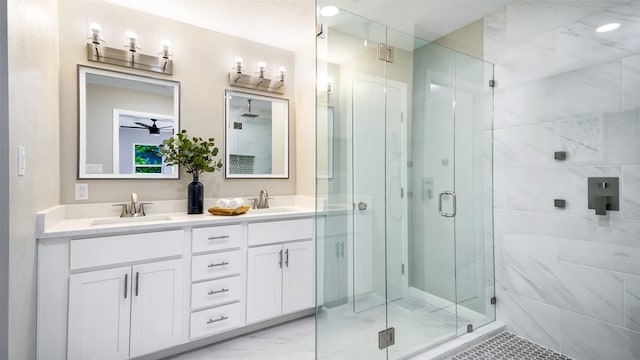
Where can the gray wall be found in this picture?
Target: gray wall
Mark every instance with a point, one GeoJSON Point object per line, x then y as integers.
{"type": "Point", "coordinates": [4, 186]}
{"type": "Point", "coordinates": [567, 278]}
{"type": "Point", "coordinates": [33, 123]}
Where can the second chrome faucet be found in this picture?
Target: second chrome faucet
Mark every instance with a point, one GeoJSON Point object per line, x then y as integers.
{"type": "Point", "coordinates": [262, 201]}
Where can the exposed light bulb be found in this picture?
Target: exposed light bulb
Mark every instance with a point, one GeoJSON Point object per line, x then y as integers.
{"type": "Point", "coordinates": [165, 46]}
{"type": "Point", "coordinates": [95, 33]}
{"type": "Point", "coordinates": [132, 41]}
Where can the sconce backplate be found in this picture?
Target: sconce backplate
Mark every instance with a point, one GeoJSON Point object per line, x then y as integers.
{"type": "Point", "coordinates": [256, 83]}
{"type": "Point", "coordinates": [120, 57]}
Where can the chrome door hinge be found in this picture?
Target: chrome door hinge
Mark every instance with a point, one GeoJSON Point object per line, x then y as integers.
{"type": "Point", "coordinates": [402, 193]}
{"type": "Point", "coordinates": [402, 269]}
{"type": "Point", "coordinates": [492, 83]}
{"type": "Point", "coordinates": [386, 338]}
{"type": "Point", "coordinates": [385, 52]}
{"type": "Point", "coordinates": [493, 300]}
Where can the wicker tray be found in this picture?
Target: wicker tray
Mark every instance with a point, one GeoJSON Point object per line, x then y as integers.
{"type": "Point", "coordinates": [229, 212]}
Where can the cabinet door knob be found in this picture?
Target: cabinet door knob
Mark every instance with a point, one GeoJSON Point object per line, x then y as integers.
{"type": "Point", "coordinates": [221, 318]}
{"type": "Point", "coordinates": [218, 264]}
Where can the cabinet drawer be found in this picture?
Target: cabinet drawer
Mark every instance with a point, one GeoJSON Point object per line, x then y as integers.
{"type": "Point", "coordinates": [215, 292]}
{"type": "Point", "coordinates": [212, 321]}
{"type": "Point", "coordinates": [216, 238]}
{"type": "Point", "coordinates": [211, 266]}
{"type": "Point", "coordinates": [279, 231]}
{"type": "Point", "coordinates": [110, 250]}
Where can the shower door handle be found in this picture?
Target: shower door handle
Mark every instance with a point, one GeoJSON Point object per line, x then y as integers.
{"type": "Point", "coordinates": [453, 196]}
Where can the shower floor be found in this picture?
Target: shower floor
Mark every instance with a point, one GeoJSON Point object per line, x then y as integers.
{"type": "Point", "coordinates": [349, 334]}
{"type": "Point", "coordinates": [507, 346]}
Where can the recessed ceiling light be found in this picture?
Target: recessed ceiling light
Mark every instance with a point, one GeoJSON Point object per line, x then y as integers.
{"type": "Point", "coordinates": [329, 11]}
{"type": "Point", "coordinates": [608, 27]}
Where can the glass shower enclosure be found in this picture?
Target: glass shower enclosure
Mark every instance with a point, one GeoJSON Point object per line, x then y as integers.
{"type": "Point", "coordinates": [404, 257]}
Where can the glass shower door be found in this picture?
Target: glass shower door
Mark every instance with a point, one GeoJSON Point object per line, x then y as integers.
{"type": "Point", "coordinates": [350, 186]}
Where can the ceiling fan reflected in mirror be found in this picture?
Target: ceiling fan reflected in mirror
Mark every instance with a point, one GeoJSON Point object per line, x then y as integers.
{"type": "Point", "coordinates": [153, 128]}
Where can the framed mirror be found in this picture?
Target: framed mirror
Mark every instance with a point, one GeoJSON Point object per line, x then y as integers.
{"type": "Point", "coordinates": [257, 136]}
{"type": "Point", "coordinates": [122, 120]}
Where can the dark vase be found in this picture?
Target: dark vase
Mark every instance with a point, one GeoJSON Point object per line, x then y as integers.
{"type": "Point", "coordinates": [195, 197]}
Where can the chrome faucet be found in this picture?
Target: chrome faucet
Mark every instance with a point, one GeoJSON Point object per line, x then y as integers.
{"type": "Point", "coordinates": [262, 201]}
{"type": "Point", "coordinates": [134, 209]}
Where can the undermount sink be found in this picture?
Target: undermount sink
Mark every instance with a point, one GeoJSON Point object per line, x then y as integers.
{"type": "Point", "coordinates": [274, 210]}
{"type": "Point", "coordinates": [127, 220]}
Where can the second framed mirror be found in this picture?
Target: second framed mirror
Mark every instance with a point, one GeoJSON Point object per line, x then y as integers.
{"type": "Point", "coordinates": [257, 136]}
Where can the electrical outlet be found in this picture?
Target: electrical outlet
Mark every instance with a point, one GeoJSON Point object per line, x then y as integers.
{"type": "Point", "coordinates": [82, 191]}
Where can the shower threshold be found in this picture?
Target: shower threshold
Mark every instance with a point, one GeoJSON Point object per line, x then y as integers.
{"type": "Point", "coordinates": [456, 345]}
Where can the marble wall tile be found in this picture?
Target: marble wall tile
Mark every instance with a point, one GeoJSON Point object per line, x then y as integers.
{"type": "Point", "coordinates": [530, 17]}
{"type": "Point", "coordinates": [597, 138]}
{"type": "Point", "coordinates": [579, 45]}
{"type": "Point", "coordinates": [495, 27]}
{"type": "Point", "coordinates": [594, 89]}
{"type": "Point", "coordinates": [499, 109]}
{"type": "Point", "coordinates": [532, 320]}
{"type": "Point", "coordinates": [625, 259]}
{"type": "Point", "coordinates": [523, 146]}
{"type": "Point", "coordinates": [526, 61]}
{"type": "Point", "coordinates": [585, 338]}
{"type": "Point", "coordinates": [535, 189]}
{"type": "Point", "coordinates": [631, 82]}
{"type": "Point", "coordinates": [632, 302]}
{"type": "Point", "coordinates": [584, 290]}
{"type": "Point", "coordinates": [598, 229]}
{"type": "Point", "coordinates": [631, 192]}
{"type": "Point", "coordinates": [530, 103]}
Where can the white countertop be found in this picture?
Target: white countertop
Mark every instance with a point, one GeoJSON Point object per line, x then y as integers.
{"type": "Point", "coordinates": [71, 221]}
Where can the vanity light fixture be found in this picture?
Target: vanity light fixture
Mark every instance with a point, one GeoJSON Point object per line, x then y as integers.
{"type": "Point", "coordinates": [258, 81]}
{"type": "Point", "coordinates": [130, 56]}
{"type": "Point", "coordinates": [608, 27]}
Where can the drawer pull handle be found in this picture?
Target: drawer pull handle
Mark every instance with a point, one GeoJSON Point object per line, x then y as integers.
{"type": "Point", "coordinates": [218, 264]}
{"type": "Point", "coordinates": [221, 318]}
{"type": "Point", "coordinates": [223, 290]}
{"type": "Point", "coordinates": [218, 237]}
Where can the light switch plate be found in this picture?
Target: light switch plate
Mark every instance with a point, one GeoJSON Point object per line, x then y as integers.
{"type": "Point", "coordinates": [82, 191]}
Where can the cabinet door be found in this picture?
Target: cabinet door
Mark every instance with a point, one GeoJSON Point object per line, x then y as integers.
{"type": "Point", "coordinates": [264, 282]}
{"type": "Point", "coordinates": [156, 306]}
{"type": "Point", "coordinates": [99, 308]}
{"type": "Point", "coordinates": [297, 278]}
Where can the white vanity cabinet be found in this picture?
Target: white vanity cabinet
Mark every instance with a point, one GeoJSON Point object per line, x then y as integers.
{"type": "Point", "coordinates": [280, 268]}
{"type": "Point", "coordinates": [152, 291]}
{"type": "Point", "coordinates": [126, 311]}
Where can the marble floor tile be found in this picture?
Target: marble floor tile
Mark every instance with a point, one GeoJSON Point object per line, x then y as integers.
{"type": "Point", "coordinates": [291, 341]}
